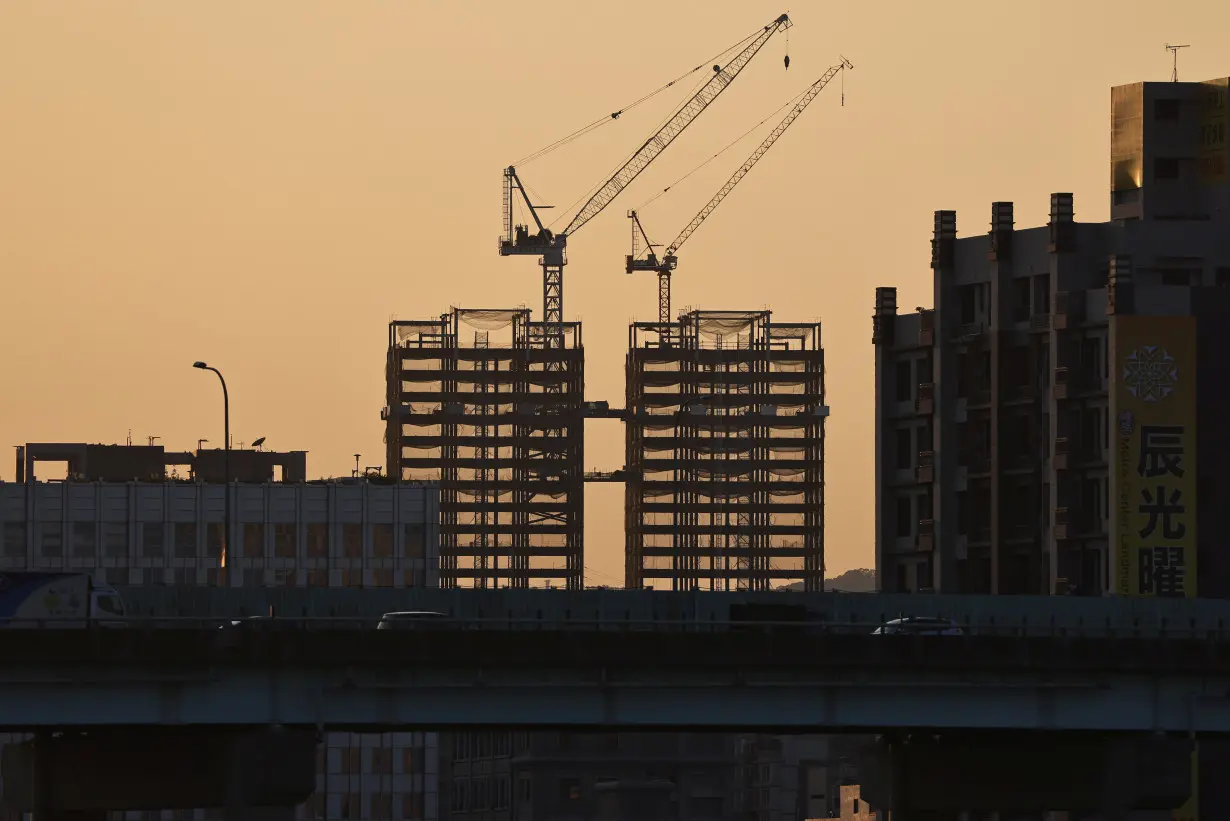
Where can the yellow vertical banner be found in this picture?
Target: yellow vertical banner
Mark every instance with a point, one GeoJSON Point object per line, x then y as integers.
{"type": "Point", "coordinates": [1154, 405]}
{"type": "Point", "coordinates": [1214, 128]}
{"type": "Point", "coordinates": [1153, 402]}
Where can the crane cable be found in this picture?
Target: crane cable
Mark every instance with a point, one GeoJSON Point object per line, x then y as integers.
{"type": "Point", "coordinates": [589, 192]}
{"type": "Point", "coordinates": [601, 121]}
{"type": "Point", "coordinates": [730, 145]}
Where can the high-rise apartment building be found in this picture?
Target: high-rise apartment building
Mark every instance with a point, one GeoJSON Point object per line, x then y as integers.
{"type": "Point", "coordinates": [1037, 427]}
{"type": "Point", "coordinates": [355, 533]}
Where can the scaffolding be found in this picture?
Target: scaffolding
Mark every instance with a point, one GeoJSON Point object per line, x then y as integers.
{"type": "Point", "coordinates": [490, 404]}
{"type": "Point", "coordinates": [725, 453]}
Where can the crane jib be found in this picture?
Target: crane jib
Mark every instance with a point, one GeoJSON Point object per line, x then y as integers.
{"type": "Point", "coordinates": [687, 113]}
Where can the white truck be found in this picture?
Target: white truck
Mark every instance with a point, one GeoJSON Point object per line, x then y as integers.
{"type": "Point", "coordinates": [56, 599]}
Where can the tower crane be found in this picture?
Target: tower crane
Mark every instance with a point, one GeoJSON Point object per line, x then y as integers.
{"type": "Point", "coordinates": [666, 264]}
{"type": "Point", "coordinates": [551, 247]}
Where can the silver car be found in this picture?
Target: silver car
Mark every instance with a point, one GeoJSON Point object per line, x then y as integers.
{"type": "Point", "coordinates": [919, 626]}
{"type": "Point", "coordinates": [412, 620]}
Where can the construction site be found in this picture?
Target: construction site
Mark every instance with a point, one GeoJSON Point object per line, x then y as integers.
{"type": "Point", "coordinates": [489, 403]}
{"type": "Point", "coordinates": [723, 414]}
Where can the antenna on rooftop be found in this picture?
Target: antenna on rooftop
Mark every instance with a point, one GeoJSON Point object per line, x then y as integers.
{"type": "Point", "coordinates": [1174, 51]}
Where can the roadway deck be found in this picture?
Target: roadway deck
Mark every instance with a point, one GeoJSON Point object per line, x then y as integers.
{"type": "Point", "coordinates": [455, 676]}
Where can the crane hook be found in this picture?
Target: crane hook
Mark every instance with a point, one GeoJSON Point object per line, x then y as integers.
{"type": "Point", "coordinates": [787, 62]}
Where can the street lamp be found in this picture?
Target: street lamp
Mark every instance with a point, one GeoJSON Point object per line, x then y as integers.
{"type": "Point", "coordinates": [226, 455]}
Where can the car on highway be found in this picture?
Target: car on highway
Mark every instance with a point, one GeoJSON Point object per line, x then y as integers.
{"type": "Point", "coordinates": [413, 620]}
{"type": "Point", "coordinates": [919, 626]}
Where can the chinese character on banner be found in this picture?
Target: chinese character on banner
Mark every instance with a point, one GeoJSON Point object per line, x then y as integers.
{"type": "Point", "coordinates": [1162, 570]}
{"type": "Point", "coordinates": [1161, 451]}
{"type": "Point", "coordinates": [1159, 506]}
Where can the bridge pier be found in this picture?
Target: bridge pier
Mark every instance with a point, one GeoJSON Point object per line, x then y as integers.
{"type": "Point", "coordinates": [254, 775]}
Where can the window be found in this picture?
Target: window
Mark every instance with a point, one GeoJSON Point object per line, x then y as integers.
{"type": "Point", "coordinates": [962, 513]}
{"type": "Point", "coordinates": [14, 546]}
{"type": "Point", "coordinates": [525, 789]}
{"type": "Point", "coordinates": [905, 448]}
{"type": "Point", "coordinates": [1222, 278]}
{"type": "Point", "coordinates": [412, 805]}
{"type": "Point", "coordinates": [318, 578]}
{"type": "Point", "coordinates": [903, 582]}
{"type": "Point", "coordinates": [904, 376]}
{"type": "Point", "coordinates": [570, 789]}
{"type": "Point", "coordinates": [503, 791]}
{"type": "Point", "coordinates": [352, 805]}
{"type": "Point", "coordinates": [415, 542]}
{"type": "Point", "coordinates": [83, 543]}
{"type": "Point", "coordinates": [213, 539]}
{"type": "Point", "coordinates": [968, 297]}
{"type": "Point", "coordinates": [1176, 276]}
{"type": "Point", "coordinates": [382, 541]}
{"type": "Point", "coordinates": [352, 541]}
{"type": "Point", "coordinates": [962, 376]}
{"type": "Point", "coordinates": [318, 540]}
{"type": "Point", "coordinates": [253, 540]}
{"type": "Point", "coordinates": [382, 806]}
{"type": "Point", "coordinates": [1016, 366]}
{"type": "Point", "coordinates": [284, 546]}
{"type": "Point", "coordinates": [153, 540]}
{"type": "Point", "coordinates": [408, 760]}
{"type": "Point", "coordinates": [382, 761]}
{"type": "Point", "coordinates": [1165, 168]}
{"type": "Point", "coordinates": [382, 577]}
{"type": "Point", "coordinates": [185, 540]}
{"type": "Point", "coordinates": [905, 523]}
{"type": "Point", "coordinates": [1021, 299]}
{"type": "Point", "coordinates": [1165, 109]}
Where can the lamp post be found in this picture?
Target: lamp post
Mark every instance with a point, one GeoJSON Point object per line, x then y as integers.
{"type": "Point", "coordinates": [226, 454]}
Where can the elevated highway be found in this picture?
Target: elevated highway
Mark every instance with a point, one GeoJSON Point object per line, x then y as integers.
{"type": "Point", "coordinates": [772, 677]}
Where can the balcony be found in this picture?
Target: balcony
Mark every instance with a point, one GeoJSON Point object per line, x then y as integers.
{"type": "Point", "coordinates": [925, 540]}
{"type": "Point", "coordinates": [1060, 527]}
{"type": "Point", "coordinates": [1064, 448]}
{"type": "Point", "coordinates": [1069, 310]}
{"type": "Point", "coordinates": [924, 474]}
{"type": "Point", "coordinates": [1040, 322]}
{"type": "Point", "coordinates": [1060, 389]}
{"type": "Point", "coordinates": [969, 332]}
{"type": "Point", "coordinates": [924, 402]}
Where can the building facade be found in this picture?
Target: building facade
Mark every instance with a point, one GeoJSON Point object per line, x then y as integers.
{"type": "Point", "coordinates": [1004, 413]}
{"type": "Point", "coordinates": [1054, 423]}
{"type": "Point", "coordinates": [338, 533]}
{"type": "Point", "coordinates": [549, 776]}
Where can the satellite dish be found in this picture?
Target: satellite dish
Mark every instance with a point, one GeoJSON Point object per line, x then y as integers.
{"type": "Point", "coordinates": [258, 442]}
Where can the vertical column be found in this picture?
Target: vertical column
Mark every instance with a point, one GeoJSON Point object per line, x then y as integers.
{"type": "Point", "coordinates": [944, 367]}
{"type": "Point", "coordinates": [999, 316]}
{"type": "Point", "coordinates": [883, 335]}
{"type": "Point", "coordinates": [1065, 297]}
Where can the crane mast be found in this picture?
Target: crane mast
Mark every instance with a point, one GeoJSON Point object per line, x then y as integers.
{"type": "Point", "coordinates": [551, 247]}
{"type": "Point", "coordinates": [669, 260]}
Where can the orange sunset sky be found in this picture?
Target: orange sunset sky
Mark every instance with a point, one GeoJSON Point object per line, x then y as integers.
{"type": "Point", "coordinates": [263, 184]}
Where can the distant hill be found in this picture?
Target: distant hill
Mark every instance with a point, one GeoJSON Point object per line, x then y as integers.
{"type": "Point", "coordinates": [861, 580]}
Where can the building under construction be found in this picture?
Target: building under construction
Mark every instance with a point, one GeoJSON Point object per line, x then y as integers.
{"type": "Point", "coordinates": [725, 453]}
{"type": "Point", "coordinates": [491, 404]}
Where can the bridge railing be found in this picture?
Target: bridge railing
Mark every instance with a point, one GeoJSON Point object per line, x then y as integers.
{"type": "Point", "coordinates": [451, 624]}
